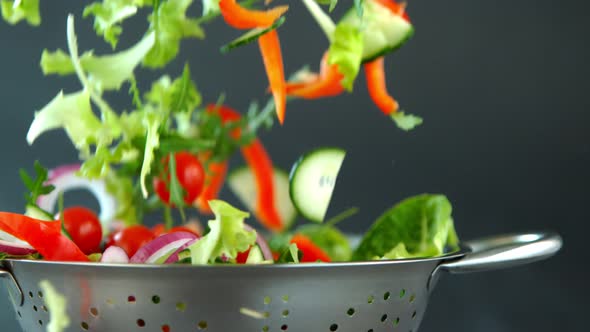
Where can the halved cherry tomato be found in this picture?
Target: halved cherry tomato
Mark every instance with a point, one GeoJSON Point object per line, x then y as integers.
{"type": "Point", "coordinates": [131, 238]}
{"type": "Point", "coordinates": [84, 228]}
{"type": "Point", "coordinates": [242, 257]}
{"type": "Point", "coordinates": [190, 174]}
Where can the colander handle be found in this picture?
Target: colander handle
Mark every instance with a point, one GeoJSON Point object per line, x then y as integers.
{"type": "Point", "coordinates": [504, 251]}
{"type": "Point", "coordinates": [13, 288]}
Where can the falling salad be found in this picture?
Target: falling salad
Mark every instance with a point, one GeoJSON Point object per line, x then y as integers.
{"type": "Point", "coordinates": [169, 155]}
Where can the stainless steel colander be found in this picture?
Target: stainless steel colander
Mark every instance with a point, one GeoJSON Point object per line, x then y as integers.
{"type": "Point", "coordinates": [345, 297]}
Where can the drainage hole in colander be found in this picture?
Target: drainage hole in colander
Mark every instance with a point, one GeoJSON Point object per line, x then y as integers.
{"type": "Point", "coordinates": [412, 298]}
{"type": "Point", "coordinates": [35, 307]}
{"type": "Point", "coordinates": [131, 299]}
{"type": "Point", "coordinates": [44, 308]}
{"type": "Point", "coordinates": [386, 296]}
{"type": "Point", "coordinates": [285, 298]}
{"type": "Point", "coordinates": [265, 328]}
{"type": "Point", "coordinates": [94, 312]}
{"type": "Point", "coordinates": [413, 315]}
{"type": "Point", "coordinates": [181, 306]}
{"type": "Point", "coordinates": [370, 299]}
{"type": "Point", "coordinates": [84, 326]}
{"type": "Point", "coordinates": [350, 312]}
{"type": "Point", "coordinates": [333, 327]}
{"type": "Point", "coordinates": [31, 294]}
{"type": "Point", "coordinates": [266, 314]}
{"type": "Point", "coordinates": [165, 328]}
{"type": "Point", "coordinates": [396, 321]}
{"type": "Point", "coordinates": [284, 327]}
{"type": "Point", "coordinates": [402, 293]}
{"type": "Point", "coordinates": [40, 294]}
{"type": "Point", "coordinates": [384, 318]}
{"type": "Point", "coordinates": [140, 322]}
{"type": "Point", "coordinates": [110, 302]}
{"type": "Point", "coordinates": [19, 314]}
{"type": "Point", "coordinates": [40, 322]}
{"type": "Point", "coordinates": [202, 325]}
{"type": "Point", "coordinates": [155, 299]}
{"type": "Point", "coordinates": [267, 300]}
{"type": "Point", "coordinates": [285, 313]}
{"type": "Point", "coordinates": [370, 330]}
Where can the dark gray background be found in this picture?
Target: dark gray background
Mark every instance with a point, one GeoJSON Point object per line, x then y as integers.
{"type": "Point", "coordinates": [502, 87]}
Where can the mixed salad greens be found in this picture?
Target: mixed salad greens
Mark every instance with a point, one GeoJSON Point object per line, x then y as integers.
{"type": "Point", "coordinates": [169, 154]}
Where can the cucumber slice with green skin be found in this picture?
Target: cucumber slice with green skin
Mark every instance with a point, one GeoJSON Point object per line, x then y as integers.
{"type": "Point", "coordinates": [251, 36]}
{"type": "Point", "coordinates": [383, 31]}
{"type": "Point", "coordinates": [243, 184]}
{"type": "Point", "coordinates": [313, 178]}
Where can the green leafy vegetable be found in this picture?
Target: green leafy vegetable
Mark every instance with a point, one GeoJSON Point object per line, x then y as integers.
{"type": "Point", "coordinates": [329, 239]}
{"type": "Point", "coordinates": [56, 304]}
{"type": "Point", "coordinates": [210, 7]}
{"type": "Point", "coordinates": [151, 122]}
{"type": "Point", "coordinates": [170, 24]}
{"type": "Point", "coordinates": [176, 190]}
{"type": "Point", "coordinates": [108, 16]}
{"type": "Point", "coordinates": [406, 121]}
{"type": "Point", "coordinates": [36, 186]}
{"type": "Point", "coordinates": [423, 224]}
{"type": "Point", "coordinates": [358, 5]}
{"type": "Point", "coordinates": [180, 96]}
{"type": "Point", "coordinates": [122, 189]}
{"type": "Point", "coordinates": [227, 235]}
{"type": "Point", "coordinates": [346, 51]}
{"type": "Point", "coordinates": [14, 11]}
{"type": "Point", "coordinates": [255, 257]}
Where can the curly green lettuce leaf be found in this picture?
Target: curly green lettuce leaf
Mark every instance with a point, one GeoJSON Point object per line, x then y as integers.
{"type": "Point", "coordinates": [122, 189]}
{"type": "Point", "coordinates": [56, 304]}
{"type": "Point", "coordinates": [346, 51]}
{"type": "Point", "coordinates": [14, 11]}
{"type": "Point", "coordinates": [423, 224]}
{"type": "Point", "coordinates": [227, 235]}
{"type": "Point", "coordinates": [105, 72]}
{"type": "Point", "coordinates": [178, 96]}
{"type": "Point", "coordinates": [151, 122]}
{"type": "Point", "coordinates": [108, 16]}
{"type": "Point", "coordinates": [170, 24]}
{"type": "Point", "coordinates": [329, 239]}
{"type": "Point", "coordinates": [405, 121]}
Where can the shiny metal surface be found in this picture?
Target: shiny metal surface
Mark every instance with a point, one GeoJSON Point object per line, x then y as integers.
{"type": "Point", "coordinates": [358, 296]}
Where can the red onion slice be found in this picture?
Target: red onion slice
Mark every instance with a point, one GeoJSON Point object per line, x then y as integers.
{"type": "Point", "coordinates": [14, 246]}
{"type": "Point", "coordinates": [174, 257]}
{"type": "Point", "coordinates": [114, 254]}
{"type": "Point", "coordinates": [64, 178]}
{"type": "Point", "coordinates": [264, 248]}
{"type": "Point", "coordinates": [161, 246]}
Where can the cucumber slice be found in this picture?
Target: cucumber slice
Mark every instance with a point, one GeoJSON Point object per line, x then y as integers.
{"type": "Point", "coordinates": [312, 181]}
{"type": "Point", "coordinates": [383, 31]}
{"type": "Point", "coordinates": [251, 36]}
{"type": "Point", "coordinates": [243, 184]}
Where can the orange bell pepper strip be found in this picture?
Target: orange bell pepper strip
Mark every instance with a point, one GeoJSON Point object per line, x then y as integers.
{"type": "Point", "coordinates": [261, 165]}
{"type": "Point", "coordinates": [375, 75]}
{"type": "Point", "coordinates": [242, 18]}
{"type": "Point", "coordinates": [326, 84]}
{"type": "Point", "coordinates": [270, 48]}
{"type": "Point", "coordinates": [397, 8]}
{"type": "Point", "coordinates": [214, 178]}
{"type": "Point", "coordinates": [311, 252]}
{"type": "Point", "coordinates": [44, 236]}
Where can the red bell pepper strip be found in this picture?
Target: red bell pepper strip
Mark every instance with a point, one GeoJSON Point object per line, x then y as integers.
{"type": "Point", "coordinates": [214, 178]}
{"type": "Point", "coordinates": [311, 252]}
{"type": "Point", "coordinates": [375, 74]}
{"type": "Point", "coordinates": [270, 48]}
{"type": "Point", "coordinates": [326, 84]}
{"type": "Point", "coordinates": [398, 8]}
{"type": "Point", "coordinates": [242, 18]}
{"type": "Point", "coordinates": [261, 165]}
{"type": "Point", "coordinates": [44, 236]}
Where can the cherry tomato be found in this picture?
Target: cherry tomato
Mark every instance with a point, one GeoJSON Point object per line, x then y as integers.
{"type": "Point", "coordinates": [132, 238]}
{"type": "Point", "coordinates": [160, 229]}
{"type": "Point", "coordinates": [242, 256]}
{"type": "Point", "coordinates": [84, 228]}
{"type": "Point", "coordinates": [190, 174]}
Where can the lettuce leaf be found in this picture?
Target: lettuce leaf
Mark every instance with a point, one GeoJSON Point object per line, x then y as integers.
{"type": "Point", "coordinates": [14, 11]}
{"type": "Point", "coordinates": [108, 16]}
{"type": "Point", "coordinates": [151, 122]}
{"type": "Point", "coordinates": [178, 96]}
{"type": "Point", "coordinates": [406, 121]}
{"type": "Point", "coordinates": [170, 24]}
{"type": "Point", "coordinates": [227, 235]}
{"type": "Point", "coordinates": [422, 224]}
{"type": "Point", "coordinates": [56, 304]}
{"type": "Point", "coordinates": [346, 51]}
{"type": "Point", "coordinates": [210, 7]}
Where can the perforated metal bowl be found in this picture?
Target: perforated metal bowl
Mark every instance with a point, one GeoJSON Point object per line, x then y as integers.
{"type": "Point", "coordinates": [345, 297]}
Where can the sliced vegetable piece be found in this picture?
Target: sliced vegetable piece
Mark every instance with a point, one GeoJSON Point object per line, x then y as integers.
{"type": "Point", "coordinates": [114, 254]}
{"type": "Point", "coordinates": [311, 252]}
{"type": "Point", "coordinates": [161, 247]}
{"type": "Point", "coordinates": [385, 27]}
{"type": "Point", "coordinates": [242, 182]}
{"type": "Point", "coordinates": [327, 84]}
{"type": "Point", "coordinates": [131, 238]}
{"type": "Point", "coordinates": [329, 239]}
{"type": "Point", "coordinates": [214, 178]}
{"type": "Point", "coordinates": [251, 36]}
{"type": "Point", "coordinates": [16, 248]}
{"type": "Point", "coordinates": [375, 74]}
{"type": "Point", "coordinates": [270, 48]}
{"type": "Point", "coordinates": [241, 18]}
{"type": "Point", "coordinates": [261, 242]}
{"type": "Point", "coordinates": [44, 236]}
{"type": "Point", "coordinates": [312, 181]}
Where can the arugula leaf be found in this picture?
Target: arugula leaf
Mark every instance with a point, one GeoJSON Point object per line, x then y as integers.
{"type": "Point", "coordinates": [406, 122]}
{"type": "Point", "coordinates": [109, 15]}
{"type": "Point", "coordinates": [423, 224]}
{"type": "Point", "coordinates": [180, 96]}
{"type": "Point", "coordinates": [14, 11]}
{"type": "Point", "coordinates": [346, 51]}
{"type": "Point", "coordinates": [176, 191]}
{"type": "Point", "coordinates": [226, 236]}
{"type": "Point", "coordinates": [56, 304]}
{"type": "Point", "coordinates": [170, 25]}
{"type": "Point", "coordinates": [37, 186]}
